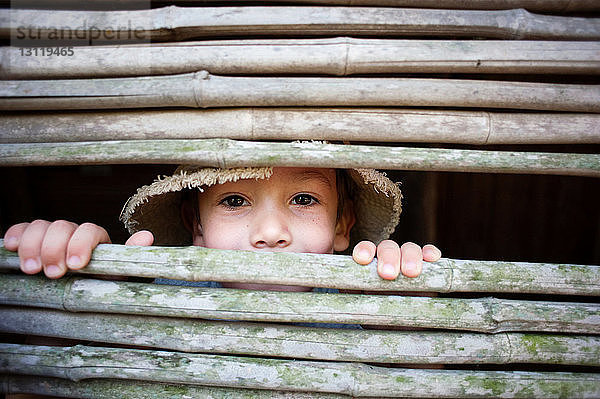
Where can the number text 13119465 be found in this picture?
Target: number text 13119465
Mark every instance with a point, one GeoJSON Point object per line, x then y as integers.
{"type": "Point", "coordinates": [46, 51]}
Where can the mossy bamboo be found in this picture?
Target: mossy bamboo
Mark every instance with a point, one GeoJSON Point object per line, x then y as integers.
{"type": "Point", "coordinates": [226, 153]}
{"type": "Point", "coordinates": [478, 314]}
{"type": "Point", "coordinates": [274, 340]}
{"type": "Point", "coordinates": [202, 90]}
{"type": "Point", "coordinates": [331, 56]}
{"type": "Point", "coordinates": [348, 124]}
{"type": "Point", "coordinates": [333, 271]}
{"type": "Point", "coordinates": [181, 23]}
{"type": "Point", "coordinates": [357, 379]}
{"type": "Point", "coordinates": [131, 389]}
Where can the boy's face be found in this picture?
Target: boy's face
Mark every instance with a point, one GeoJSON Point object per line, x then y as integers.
{"type": "Point", "coordinates": [295, 210]}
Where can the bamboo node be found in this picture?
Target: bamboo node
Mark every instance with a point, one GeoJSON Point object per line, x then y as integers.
{"type": "Point", "coordinates": [203, 75]}
{"type": "Point", "coordinates": [198, 87]}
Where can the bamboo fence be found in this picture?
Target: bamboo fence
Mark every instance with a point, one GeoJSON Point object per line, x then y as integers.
{"type": "Point", "coordinates": [333, 271]}
{"type": "Point", "coordinates": [338, 56]}
{"type": "Point", "coordinates": [298, 342]}
{"type": "Point", "coordinates": [487, 314]}
{"type": "Point", "coordinates": [134, 314]}
{"type": "Point", "coordinates": [225, 153]}
{"type": "Point", "coordinates": [202, 90]}
{"type": "Point", "coordinates": [354, 379]}
{"type": "Point", "coordinates": [181, 23]}
{"type": "Point", "coordinates": [347, 124]}
{"type": "Point", "coordinates": [223, 343]}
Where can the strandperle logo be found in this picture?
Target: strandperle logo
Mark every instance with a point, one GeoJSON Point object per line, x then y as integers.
{"type": "Point", "coordinates": [80, 33]}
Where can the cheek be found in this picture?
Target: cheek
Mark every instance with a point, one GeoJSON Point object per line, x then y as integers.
{"type": "Point", "coordinates": [316, 235]}
{"type": "Point", "coordinates": [225, 236]}
{"type": "Point", "coordinates": [221, 233]}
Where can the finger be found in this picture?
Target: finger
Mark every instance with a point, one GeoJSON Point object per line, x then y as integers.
{"type": "Point", "coordinates": [142, 238]}
{"type": "Point", "coordinates": [12, 237]}
{"type": "Point", "coordinates": [54, 248]}
{"type": "Point", "coordinates": [83, 241]}
{"type": "Point", "coordinates": [412, 259]}
{"type": "Point", "coordinates": [431, 253]}
{"type": "Point", "coordinates": [364, 252]}
{"type": "Point", "coordinates": [30, 246]}
{"type": "Point", "coordinates": [388, 259]}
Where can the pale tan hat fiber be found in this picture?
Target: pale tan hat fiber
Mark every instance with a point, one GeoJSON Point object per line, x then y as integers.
{"type": "Point", "coordinates": [156, 207]}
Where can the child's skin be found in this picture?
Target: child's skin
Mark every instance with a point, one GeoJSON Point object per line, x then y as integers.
{"type": "Point", "coordinates": [295, 210]}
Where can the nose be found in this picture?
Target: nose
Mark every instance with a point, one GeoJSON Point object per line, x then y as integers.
{"type": "Point", "coordinates": [270, 230]}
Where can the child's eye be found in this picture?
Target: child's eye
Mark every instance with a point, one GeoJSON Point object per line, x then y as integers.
{"type": "Point", "coordinates": [304, 200]}
{"type": "Point", "coordinates": [234, 201]}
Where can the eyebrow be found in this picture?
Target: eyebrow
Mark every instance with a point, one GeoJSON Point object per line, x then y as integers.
{"type": "Point", "coordinates": [314, 175]}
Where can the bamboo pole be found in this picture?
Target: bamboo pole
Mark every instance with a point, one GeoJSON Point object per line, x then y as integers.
{"type": "Point", "coordinates": [272, 340]}
{"type": "Point", "coordinates": [202, 90]}
{"type": "Point", "coordinates": [225, 153]}
{"type": "Point", "coordinates": [482, 314]}
{"type": "Point", "coordinates": [347, 124]}
{"type": "Point", "coordinates": [131, 389]}
{"type": "Point", "coordinates": [533, 5]}
{"type": "Point", "coordinates": [181, 23]}
{"type": "Point", "coordinates": [559, 6]}
{"type": "Point", "coordinates": [333, 56]}
{"type": "Point", "coordinates": [79, 362]}
{"type": "Point", "coordinates": [332, 271]}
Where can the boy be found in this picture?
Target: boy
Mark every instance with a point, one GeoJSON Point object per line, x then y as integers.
{"type": "Point", "coordinates": [260, 209]}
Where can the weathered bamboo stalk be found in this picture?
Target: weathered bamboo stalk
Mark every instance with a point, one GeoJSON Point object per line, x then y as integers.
{"type": "Point", "coordinates": [532, 5]}
{"type": "Point", "coordinates": [131, 389]}
{"type": "Point", "coordinates": [201, 90]}
{"type": "Point", "coordinates": [272, 340]}
{"type": "Point", "coordinates": [225, 153]}
{"type": "Point", "coordinates": [181, 23]}
{"type": "Point", "coordinates": [333, 271]}
{"type": "Point", "coordinates": [348, 124]}
{"type": "Point", "coordinates": [482, 314]}
{"type": "Point", "coordinates": [357, 379]}
{"type": "Point", "coordinates": [337, 56]}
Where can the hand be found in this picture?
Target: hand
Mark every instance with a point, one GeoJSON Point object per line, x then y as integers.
{"type": "Point", "coordinates": [393, 259]}
{"type": "Point", "coordinates": [59, 246]}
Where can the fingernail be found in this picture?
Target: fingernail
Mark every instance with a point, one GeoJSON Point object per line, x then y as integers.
{"type": "Point", "coordinates": [30, 265]}
{"type": "Point", "coordinates": [10, 241]}
{"type": "Point", "coordinates": [388, 270]}
{"type": "Point", "coordinates": [363, 254]}
{"type": "Point", "coordinates": [74, 262]}
{"type": "Point", "coordinates": [53, 271]}
{"type": "Point", "coordinates": [410, 267]}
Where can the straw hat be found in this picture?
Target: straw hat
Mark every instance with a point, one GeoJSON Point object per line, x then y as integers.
{"type": "Point", "coordinates": [156, 207]}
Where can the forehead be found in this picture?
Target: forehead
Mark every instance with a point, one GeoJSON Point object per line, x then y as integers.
{"type": "Point", "coordinates": [316, 175]}
{"type": "Point", "coordinates": [324, 178]}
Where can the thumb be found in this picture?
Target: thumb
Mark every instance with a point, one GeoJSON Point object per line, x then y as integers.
{"type": "Point", "coordinates": [143, 238]}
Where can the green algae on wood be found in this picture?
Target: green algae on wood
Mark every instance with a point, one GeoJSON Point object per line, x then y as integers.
{"type": "Point", "coordinates": [357, 379]}
{"type": "Point", "coordinates": [408, 347]}
{"type": "Point", "coordinates": [131, 389]}
{"type": "Point", "coordinates": [332, 271]}
{"type": "Point", "coordinates": [226, 153]}
{"type": "Point", "coordinates": [478, 314]}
